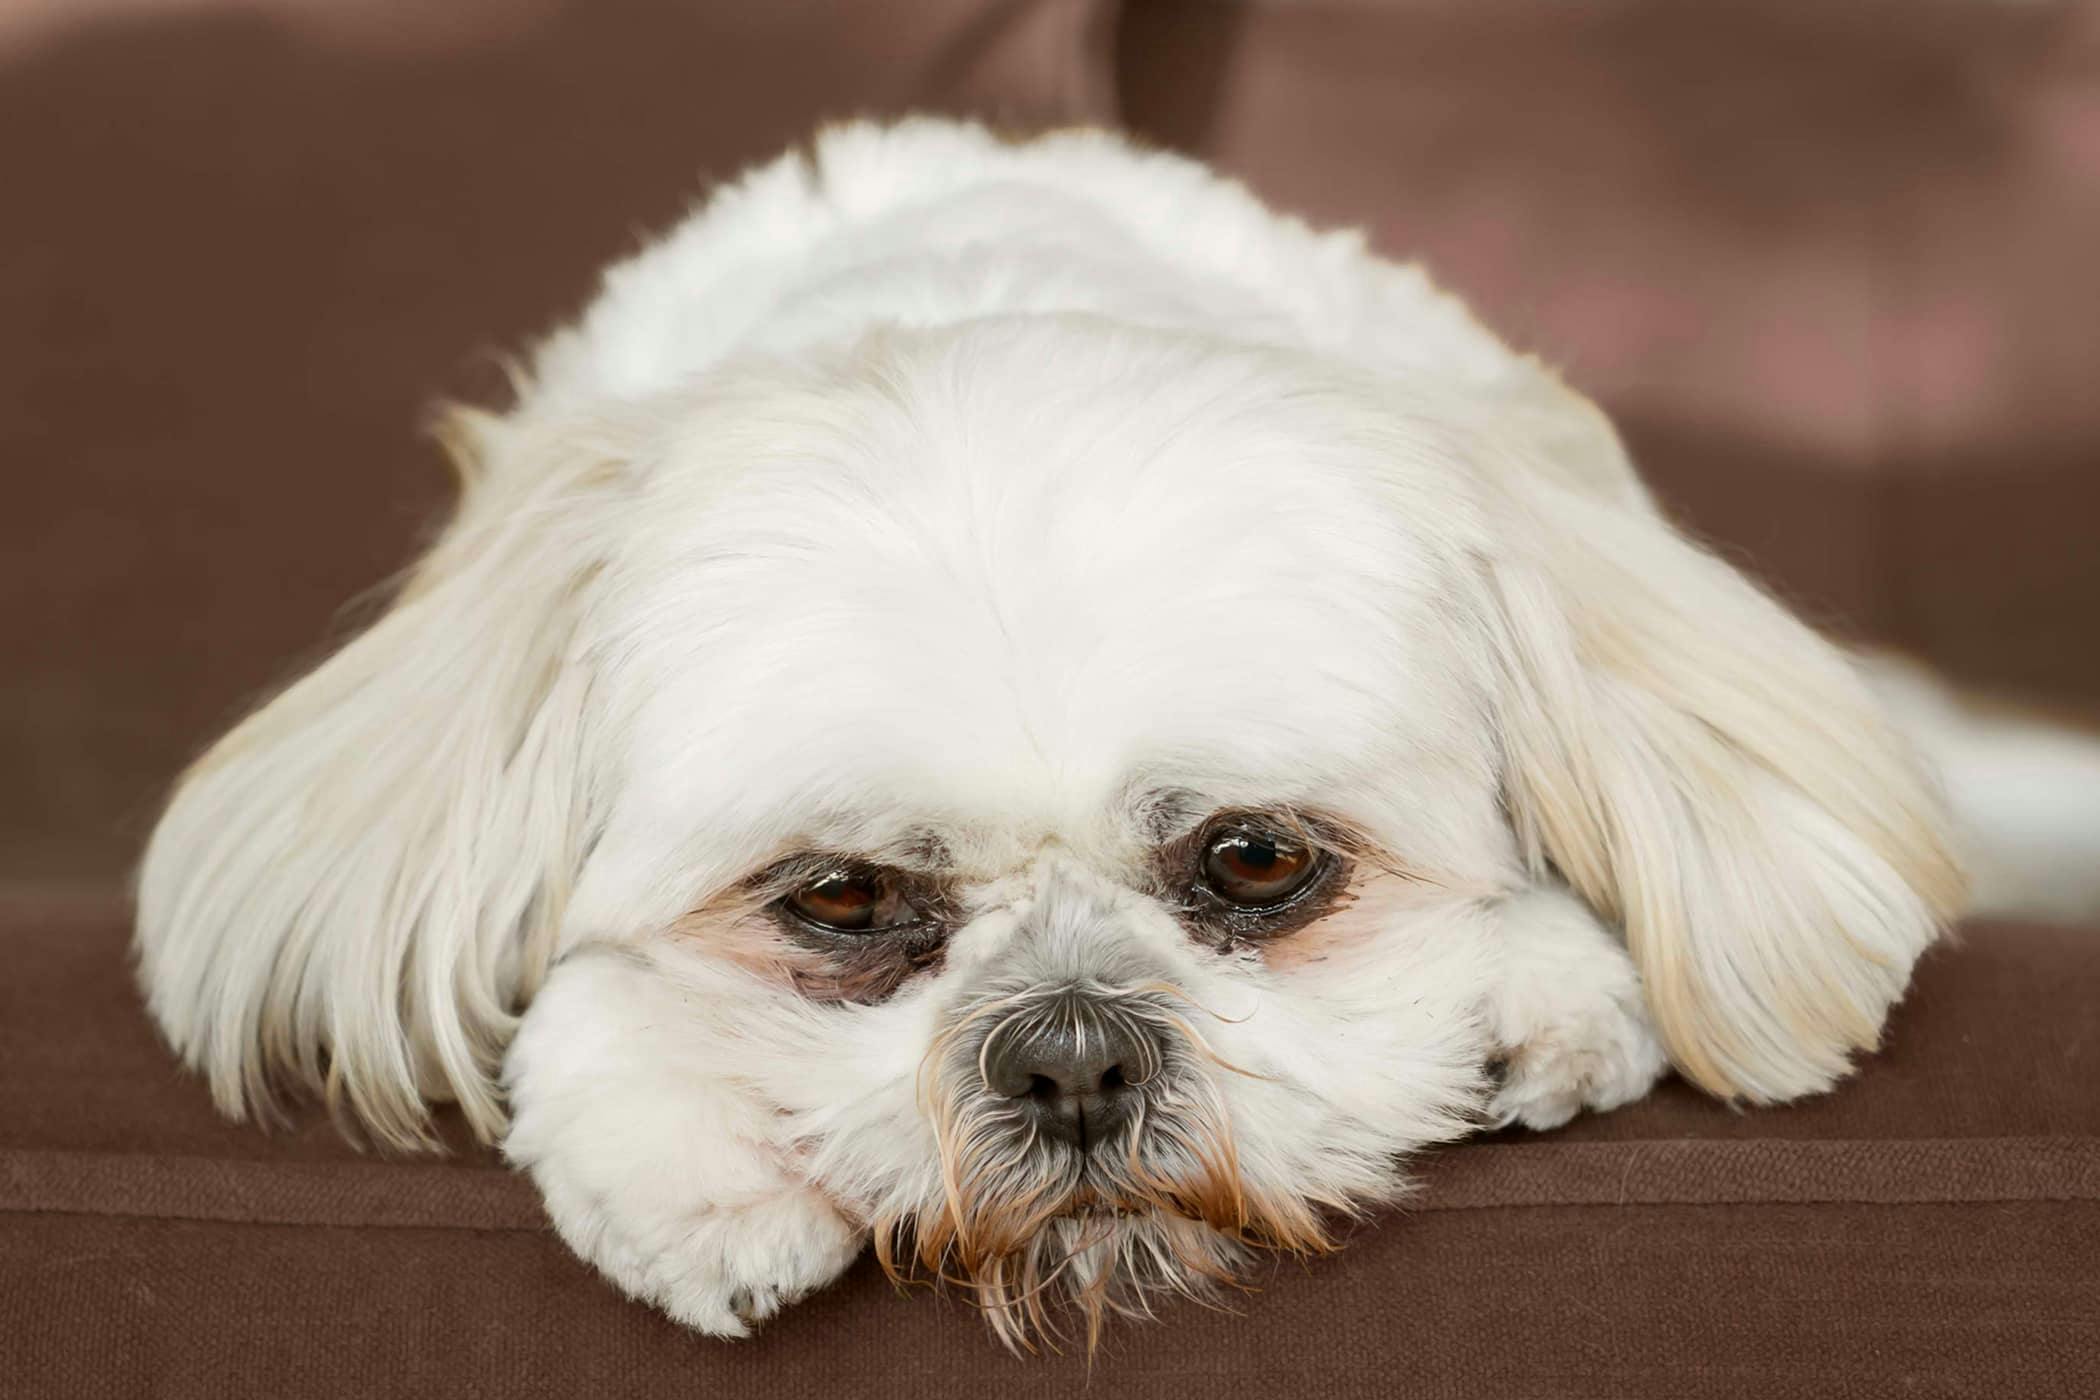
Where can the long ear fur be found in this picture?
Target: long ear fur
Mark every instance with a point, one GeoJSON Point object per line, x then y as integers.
{"type": "Point", "coordinates": [1703, 768]}
{"type": "Point", "coordinates": [355, 888]}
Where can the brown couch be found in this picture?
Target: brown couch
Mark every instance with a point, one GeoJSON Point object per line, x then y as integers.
{"type": "Point", "coordinates": [1829, 265]}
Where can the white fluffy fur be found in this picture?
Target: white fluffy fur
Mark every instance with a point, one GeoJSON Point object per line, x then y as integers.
{"type": "Point", "coordinates": [930, 483]}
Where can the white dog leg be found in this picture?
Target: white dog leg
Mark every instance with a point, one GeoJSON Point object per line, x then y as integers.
{"type": "Point", "coordinates": [1568, 1015]}
{"type": "Point", "coordinates": [654, 1167]}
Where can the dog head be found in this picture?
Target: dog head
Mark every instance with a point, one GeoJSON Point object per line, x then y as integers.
{"type": "Point", "coordinates": [1075, 767]}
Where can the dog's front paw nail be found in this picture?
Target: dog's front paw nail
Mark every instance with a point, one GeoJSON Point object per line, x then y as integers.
{"type": "Point", "coordinates": [733, 1268]}
{"type": "Point", "coordinates": [704, 1310]}
{"type": "Point", "coordinates": [727, 1307]}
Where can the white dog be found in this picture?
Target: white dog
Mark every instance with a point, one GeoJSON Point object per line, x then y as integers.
{"type": "Point", "coordinates": [1004, 701]}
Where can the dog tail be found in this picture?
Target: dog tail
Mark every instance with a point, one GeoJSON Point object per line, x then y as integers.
{"type": "Point", "coordinates": [2025, 789]}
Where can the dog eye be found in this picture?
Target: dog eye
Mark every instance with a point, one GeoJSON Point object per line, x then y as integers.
{"type": "Point", "coordinates": [850, 900]}
{"type": "Point", "coordinates": [1254, 867]}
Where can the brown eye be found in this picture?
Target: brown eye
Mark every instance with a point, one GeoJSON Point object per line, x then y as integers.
{"type": "Point", "coordinates": [1256, 868]}
{"type": "Point", "coordinates": [852, 901]}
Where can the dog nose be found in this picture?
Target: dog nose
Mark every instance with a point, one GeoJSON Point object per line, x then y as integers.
{"type": "Point", "coordinates": [1078, 1076]}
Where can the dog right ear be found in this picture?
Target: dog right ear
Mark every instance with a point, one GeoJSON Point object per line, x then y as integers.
{"type": "Point", "coordinates": [356, 887]}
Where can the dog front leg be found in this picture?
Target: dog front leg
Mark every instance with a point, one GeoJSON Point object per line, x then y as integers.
{"type": "Point", "coordinates": [1567, 1014]}
{"type": "Point", "coordinates": [655, 1168]}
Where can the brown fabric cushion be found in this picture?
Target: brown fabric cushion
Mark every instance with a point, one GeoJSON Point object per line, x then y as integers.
{"type": "Point", "coordinates": [1829, 265]}
{"type": "Point", "coordinates": [1933, 1228]}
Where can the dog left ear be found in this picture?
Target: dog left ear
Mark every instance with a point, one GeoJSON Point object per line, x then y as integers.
{"type": "Point", "coordinates": [356, 887]}
{"type": "Point", "coordinates": [1705, 770]}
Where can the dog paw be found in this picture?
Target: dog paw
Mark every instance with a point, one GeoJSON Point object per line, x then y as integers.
{"type": "Point", "coordinates": [718, 1269]}
{"type": "Point", "coordinates": [1570, 1017]}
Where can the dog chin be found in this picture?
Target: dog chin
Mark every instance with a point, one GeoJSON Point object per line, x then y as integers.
{"type": "Point", "coordinates": [1086, 1257]}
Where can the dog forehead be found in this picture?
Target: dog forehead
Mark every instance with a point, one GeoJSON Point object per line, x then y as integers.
{"type": "Point", "coordinates": [970, 586]}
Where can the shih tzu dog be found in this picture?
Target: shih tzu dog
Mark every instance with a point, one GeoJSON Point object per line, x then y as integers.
{"type": "Point", "coordinates": [1005, 703]}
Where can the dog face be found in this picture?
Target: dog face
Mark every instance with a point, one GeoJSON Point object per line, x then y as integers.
{"type": "Point", "coordinates": [1127, 814]}
{"type": "Point", "coordinates": [1069, 772]}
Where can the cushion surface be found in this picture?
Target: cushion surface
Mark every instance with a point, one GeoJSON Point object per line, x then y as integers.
{"type": "Point", "coordinates": [1931, 1228]}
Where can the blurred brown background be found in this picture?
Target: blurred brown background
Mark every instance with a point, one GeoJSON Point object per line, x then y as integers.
{"type": "Point", "coordinates": [1830, 266]}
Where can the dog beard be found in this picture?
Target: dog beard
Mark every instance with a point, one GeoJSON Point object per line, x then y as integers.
{"type": "Point", "coordinates": [1025, 1223]}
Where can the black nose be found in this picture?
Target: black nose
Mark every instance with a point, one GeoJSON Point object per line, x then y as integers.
{"type": "Point", "coordinates": [1077, 1073]}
